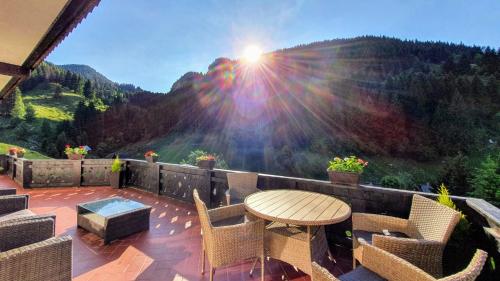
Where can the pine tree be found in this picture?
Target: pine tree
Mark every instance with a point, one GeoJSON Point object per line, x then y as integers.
{"type": "Point", "coordinates": [30, 113]}
{"type": "Point", "coordinates": [87, 89]}
{"type": "Point", "coordinates": [58, 91]}
{"type": "Point", "coordinates": [18, 111]}
{"type": "Point", "coordinates": [68, 80]}
{"type": "Point", "coordinates": [486, 180]}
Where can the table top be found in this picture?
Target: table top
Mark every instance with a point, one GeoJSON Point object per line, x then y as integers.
{"type": "Point", "coordinates": [297, 207]}
{"type": "Point", "coordinates": [113, 206]}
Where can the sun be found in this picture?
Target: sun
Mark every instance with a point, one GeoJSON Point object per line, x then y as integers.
{"type": "Point", "coordinates": [252, 54]}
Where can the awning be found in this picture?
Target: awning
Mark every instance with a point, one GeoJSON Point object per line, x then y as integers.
{"type": "Point", "coordinates": [30, 30]}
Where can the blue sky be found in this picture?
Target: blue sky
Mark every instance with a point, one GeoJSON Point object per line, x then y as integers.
{"type": "Point", "coordinates": [152, 43]}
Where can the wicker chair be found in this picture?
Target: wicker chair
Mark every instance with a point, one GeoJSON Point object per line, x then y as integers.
{"type": "Point", "coordinates": [293, 245]}
{"type": "Point", "coordinates": [420, 239]}
{"type": "Point", "coordinates": [18, 232]}
{"type": "Point", "coordinates": [229, 235]}
{"type": "Point", "coordinates": [240, 186]}
{"type": "Point", "coordinates": [380, 265]}
{"type": "Point", "coordinates": [13, 203]}
{"type": "Point", "coordinates": [47, 260]}
{"type": "Point", "coordinates": [7, 191]}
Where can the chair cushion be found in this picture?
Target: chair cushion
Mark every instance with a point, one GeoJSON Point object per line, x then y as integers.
{"type": "Point", "coordinates": [230, 221]}
{"type": "Point", "coordinates": [361, 274]}
{"type": "Point", "coordinates": [367, 235]}
{"type": "Point", "coordinates": [16, 215]}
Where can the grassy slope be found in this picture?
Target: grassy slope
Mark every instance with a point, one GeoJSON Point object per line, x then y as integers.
{"type": "Point", "coordinates": [46, 108]}
{"type": "Point", "coordinates": [30, 154]}
{"type": "Point", "coordinates": [52, 109]}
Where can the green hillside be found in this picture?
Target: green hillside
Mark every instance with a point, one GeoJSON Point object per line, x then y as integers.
{"type": "Point", "coordinates": [51, 108]}
{"type": "Point", "coordinates": [30, 154]}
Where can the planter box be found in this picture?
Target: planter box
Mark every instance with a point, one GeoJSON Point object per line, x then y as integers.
{"type": "Point", "coordinates": [151, 159]}
{"type": "Point", "coordinates": [206, 164]}
{"type": "Point", "coordinates": [116, 179]}
{"type": "Point", "coordinates": [75, 156]}
{"type": "Point", "coordinates": [344, 178]}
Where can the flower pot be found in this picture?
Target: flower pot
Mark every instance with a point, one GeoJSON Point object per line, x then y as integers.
{"type": "Point", "coordinates": [12, 152]}
{"type": "Point", "coordinates": [19, 154]}
{"type": "Point", "coordinates": [206, 164]}
{"type": "Point", "coordinates": [344, 178]}
{"type": "Point", "coordinates": [74, 156]}
{"type": "Point", "coordinates": [151, 159]}
{"type": "Point", "coordinates": [115, 179]}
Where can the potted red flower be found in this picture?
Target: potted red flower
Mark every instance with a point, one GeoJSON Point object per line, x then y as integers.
{"type": "Point", "coordinates": [76, 153]}
{"type": "Point", "coordinates": [346, 170]}
{"type": "Point", "coordinates": [151, 156]}
{"type": "Point", "coordinates": [12, 151]}
{"type": "Point", "coordinates": [20, 152]}
{"type": "Point", "coordinates": [206, 162]}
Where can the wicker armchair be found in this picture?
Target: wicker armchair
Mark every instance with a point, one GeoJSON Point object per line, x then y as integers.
{"type": "Point", "coordinates": [18, 232]}
{"type": "Point", "coordinates": [47, 260]}
{"type": "Point", "coordinates": [420, 239]}
{"type": "Point", "coordinates": [13, 203]}
{"type": "Point", "coordinates": [7, 191]}
{"type": "Point", "coordinates": [240, 186]}
{"type": "Point", "coordinates": [229, 235]}
{"type": "Point", "coordinates": [381, 265]}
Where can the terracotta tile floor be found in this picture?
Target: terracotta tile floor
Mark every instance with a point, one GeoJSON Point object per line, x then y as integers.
{"type": "Point", "coordinates": [170, 250]}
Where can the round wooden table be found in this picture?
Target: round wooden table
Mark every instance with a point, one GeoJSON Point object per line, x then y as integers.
{"type": "Point", "coordinates": [299, 208]}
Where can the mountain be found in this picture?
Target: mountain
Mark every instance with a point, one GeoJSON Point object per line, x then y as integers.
{"type": "Point", "coordinates": [408, 107]}
{"type": "Point", "coordinates": [87, 72]}
{"type": "Point", "coordinates": [91, 74]}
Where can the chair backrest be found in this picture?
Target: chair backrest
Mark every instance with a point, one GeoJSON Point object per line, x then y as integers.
{"type": "Point", "coordinates": [320, 273]}
{"type": "Point", "coordinates": [394, 268]}
{"type": "Point", "coordinates": [431, 220]}
{"type": "Point", "coordinates": [472, 271]}
{"type": "Point", "coordinates": [206, 225]}
{"type": "Point", "coordinates": [242, 184]}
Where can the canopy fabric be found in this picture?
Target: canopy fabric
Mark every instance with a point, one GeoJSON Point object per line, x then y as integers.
{"type": "Point", "coordinates": [30, 30]}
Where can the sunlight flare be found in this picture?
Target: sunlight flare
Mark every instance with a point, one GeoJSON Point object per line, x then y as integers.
{"type": "Point", "coordinates": [252, 54]}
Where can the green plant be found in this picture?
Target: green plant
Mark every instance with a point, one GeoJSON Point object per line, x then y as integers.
{"type": "Point", "coordinates": [391, 181]}
{"type": "Point", "coordinates": [207, 157]}
{"type": "Point", "coordinates": [116, 167]}
{"type": "Point", "coordinates": [445, 199]}
{"type": "Point", "coordinates": [192, 158]}
{"type": "Point", "coordinates": [81, 150]}
{"type": "Point", "coordinates": [349, 164]}
{"type": "Point", "coordinates": [486, 180]}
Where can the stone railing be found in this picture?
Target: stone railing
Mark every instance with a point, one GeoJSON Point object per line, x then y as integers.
{"type": "Point", "coordinates": [179, 181]}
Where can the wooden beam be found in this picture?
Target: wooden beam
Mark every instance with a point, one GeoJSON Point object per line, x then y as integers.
{"type": "Point", "coordinates": [13, 70]}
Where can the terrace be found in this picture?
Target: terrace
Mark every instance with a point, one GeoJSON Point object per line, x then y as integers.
{"type": "Point", "coordinates": [171, 249]}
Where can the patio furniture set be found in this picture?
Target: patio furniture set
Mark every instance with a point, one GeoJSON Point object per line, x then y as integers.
{"type": "Point", "coordinates": [30, 252]}
{"type": "Point", "coordinates": [288, 225]}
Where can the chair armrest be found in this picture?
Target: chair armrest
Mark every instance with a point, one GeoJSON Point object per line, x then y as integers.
{"type": "Point", "coordinates": [377, 223]}
{"type": "Point", "coordinates": [390, 266]}
{"type": "Point", "coordinates": [20, 232]}
{"type": "Point", "coordinates": [425, 254]}
{"type": "Point", "coordinates": [13, 203]}
{"type": "Point", "coordinates": [48, 259]}
{"type": "Point", "coordinates": [7, 191]}
{"type": "Point", "coordinates": [226, 212]}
